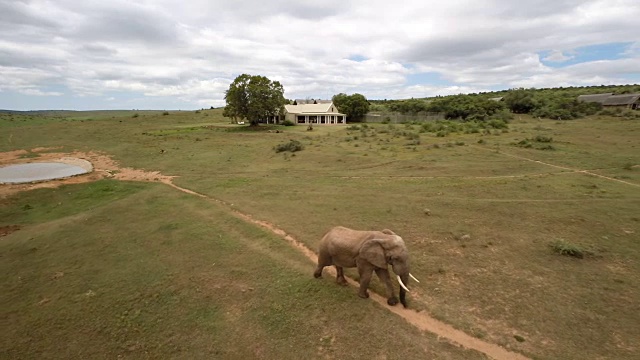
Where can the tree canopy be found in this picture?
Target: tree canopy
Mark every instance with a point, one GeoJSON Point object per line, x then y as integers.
{"type": "Point", "coordinates": [553, 103]}
{"type": "Point", "coordinates": [354, 106]}
{"type": "Point", "coordinates": [520, 101]}
{"type": "Point", "coordinates": [254, 98]}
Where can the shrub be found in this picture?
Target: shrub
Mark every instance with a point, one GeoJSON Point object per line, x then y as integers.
{"type": "Point", "coordinates": [607, 112]}
{"type": "Point", "coordinates": [427, 127]}
{"type": "Point", "coordinates": [497, 124]}
{"type": "Point", "coordinates": [135, 115]}
{"type": "Point", "coordinates": [165, 113]}
{"type": "Point", "coordinates": [292, 146]}
{"type": "Point", "coordinates": [471, 128]}
{"type": "Point", "coordinates": [630, 114]}
{"type": "Point", "coordinates": [411, 136]}
{"type": "Point", "coordinates": [524, 143]}
{"type": "Point", "coordinates": [288, 123]}
{"type": "Point", "coordinates": [542, 139]}
{"type": "Point", "coordinates": [564, 248]}
{"type": "Point", "coordinates": [505, 116]}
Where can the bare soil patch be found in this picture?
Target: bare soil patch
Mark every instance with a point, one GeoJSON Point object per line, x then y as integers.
{"type": "Point", "coordinates": [6, 230]}
{"type": "Point", "coordinates": [103, 167]}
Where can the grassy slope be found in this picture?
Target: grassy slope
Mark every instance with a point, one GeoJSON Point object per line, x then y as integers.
{"type": "Point", "coordinates": [501, 282]}
{"type": "Point", "coordinates": [148, 272]}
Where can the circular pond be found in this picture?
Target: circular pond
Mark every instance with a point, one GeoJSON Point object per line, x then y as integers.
{"type": "Point", "coordinates": [43, 171]}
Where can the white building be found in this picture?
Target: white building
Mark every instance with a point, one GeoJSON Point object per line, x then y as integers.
{"type": "Point", "coordinates": [321, 114]}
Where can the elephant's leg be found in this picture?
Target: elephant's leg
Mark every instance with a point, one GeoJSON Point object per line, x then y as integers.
{"type": "Point", "coordinates": [340, 276]}
{"type": "Point", "coordinates": [365, 277]}
{"type": "Point", "coordinates": [323, 260]}
{"type": "Point", "coordinates": [383, 274]}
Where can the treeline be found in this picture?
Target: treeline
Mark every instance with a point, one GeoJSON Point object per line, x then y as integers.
{"type": "Point", "coordinates": [555, 103]}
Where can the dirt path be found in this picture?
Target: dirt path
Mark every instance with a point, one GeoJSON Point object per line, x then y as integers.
{"type": "Point", "coordinates": [586, 172]}
{"type": "Point", "coordinates": [105, 167]}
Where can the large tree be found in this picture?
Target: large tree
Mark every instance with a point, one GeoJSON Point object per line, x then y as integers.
{"type": "Point", "coordinates": [254, 97]}
{"type": "Point", "coordinates": [354, 106]}
{"type": "Point", "coordinates": [520, 101]}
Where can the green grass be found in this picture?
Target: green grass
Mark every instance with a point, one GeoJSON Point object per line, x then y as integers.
{"type": "Point", "coordinates": [502, 282]}
{"type": "Point", "coordinates": [568, 249]}
{"type": "Point", "coordinates": [161, 274]}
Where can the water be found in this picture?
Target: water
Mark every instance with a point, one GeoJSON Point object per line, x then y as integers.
{"type": "Point", "coordinates": [25, 173]}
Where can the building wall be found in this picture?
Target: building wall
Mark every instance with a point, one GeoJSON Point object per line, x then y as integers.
{"type": "Point", "coordinates": [316, 119]}
{"type": "Point", "coordinates": [634, 106]}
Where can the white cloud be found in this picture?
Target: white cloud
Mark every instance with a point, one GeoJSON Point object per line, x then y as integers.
{"type": "Point", "coordinates": [162, 48]}
{"type": "Point", "coordinates": [557, 56]}
{"type": "Point", "coordinates": [38, 92]}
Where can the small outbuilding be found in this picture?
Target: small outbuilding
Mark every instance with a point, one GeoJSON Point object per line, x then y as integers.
{"type": "Point", "coordinates": [608, 100]}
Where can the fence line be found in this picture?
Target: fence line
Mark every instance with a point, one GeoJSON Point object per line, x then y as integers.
{"type": "Point", "coordinates": [397, 118]}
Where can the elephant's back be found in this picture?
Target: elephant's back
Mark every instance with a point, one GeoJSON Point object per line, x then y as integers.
{"type": "Point", "coordinates": [342, 239]}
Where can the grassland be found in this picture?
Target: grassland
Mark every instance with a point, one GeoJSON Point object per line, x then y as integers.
{"type": "Point", "coordinates": [480, 213]}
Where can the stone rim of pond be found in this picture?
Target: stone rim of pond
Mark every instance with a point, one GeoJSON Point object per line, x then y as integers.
{"type": "Point", "coordinates": [39, 171]}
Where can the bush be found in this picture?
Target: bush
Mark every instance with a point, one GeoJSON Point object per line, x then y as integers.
{"type": "Point", "coordinates": [135, 115]}
{"type": "Point", "coordinates": [564, 248]}
{"type": "Point", "coordinates": [411, 136]}
{"type": "Point", "coordinates": [292, 146]}
{"type": "Point", "coordinates": [543, 139]}
{"type": "Point", "coordinates": [497, 124]}
{"type": "Point", "coordinates": [524, 144]}
{"type": "Point", "coordinates": [165, 113]}
{"type": "Point", "coordinates": [288, 123]}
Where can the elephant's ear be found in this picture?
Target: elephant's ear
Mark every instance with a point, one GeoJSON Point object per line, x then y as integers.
{"type": "Point", "coordinates": [373, 252]}
{"type": "Point", "coordinates": [388, 232]}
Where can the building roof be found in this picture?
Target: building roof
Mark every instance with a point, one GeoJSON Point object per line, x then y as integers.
{"type": "Point", "coordinates": [311, 109]}
{"type": "Point", "coordinates": [311, 101]}
{"type": "Point", "coordinates": [599, 98]}
{"type": "Point", "coordinates": [624, 99]}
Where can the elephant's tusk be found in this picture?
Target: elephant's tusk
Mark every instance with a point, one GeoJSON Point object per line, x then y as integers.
{"type": "Point", "coordinates": [414, 278]}
{"type": "Point", "coordinates": [401, 283]}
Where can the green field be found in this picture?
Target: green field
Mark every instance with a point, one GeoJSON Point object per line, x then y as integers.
{"type": "Point", "coordinates": [142, 270]}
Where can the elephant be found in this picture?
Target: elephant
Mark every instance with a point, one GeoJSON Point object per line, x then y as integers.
{"type": "Point", "coordinates": [368, 251]}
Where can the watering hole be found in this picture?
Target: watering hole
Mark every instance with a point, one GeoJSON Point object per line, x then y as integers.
{"type": "Point", "coordinates": [44, 171]}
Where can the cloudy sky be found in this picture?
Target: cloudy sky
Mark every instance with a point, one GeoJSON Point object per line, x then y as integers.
{"type": "Point", "coordinates": [176, 54]}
